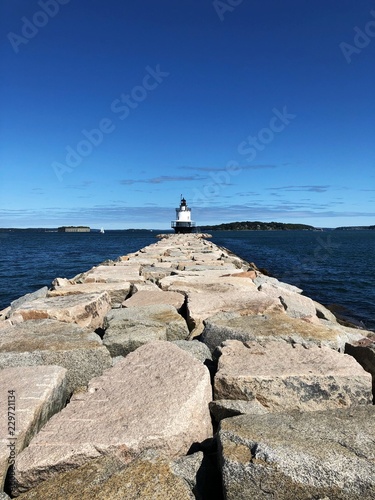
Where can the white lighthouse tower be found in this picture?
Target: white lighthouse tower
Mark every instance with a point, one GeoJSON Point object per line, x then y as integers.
{"type": "Point", "coordinates": [183, 222]}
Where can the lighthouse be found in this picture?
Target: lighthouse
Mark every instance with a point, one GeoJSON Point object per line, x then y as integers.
{"type": "Point", "coordinates": [183, 222]}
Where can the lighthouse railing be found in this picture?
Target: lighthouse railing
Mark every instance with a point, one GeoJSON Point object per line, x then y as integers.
{"type": "Point", "coordinates": [178, 223]}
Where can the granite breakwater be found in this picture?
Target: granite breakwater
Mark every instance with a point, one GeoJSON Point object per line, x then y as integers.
{"type": "Point", "coordinates": [181, 371]}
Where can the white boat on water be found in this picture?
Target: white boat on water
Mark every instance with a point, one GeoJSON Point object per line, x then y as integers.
{"type": "Point", "coordinates": [101, 230]}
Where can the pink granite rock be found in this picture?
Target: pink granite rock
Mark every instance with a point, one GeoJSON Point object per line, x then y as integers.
{"type": "Point", "coordinates": [235, 326]}
{"type": "Point", "coordinates": [4, 313]}
{"type": "Point", "coordinates": [295, 304]}
{"type": "Point", "coordinates": [284, 377]}
{"type": "Point", "coordinates": [87, 310]}
{"type": "Point", "coordinates": [147, 298]}
{"type": "Point", "coordinates": [155, 398]}
{"type": "Point", "coordinates": [208, 294]}
{"type": "Point", "coordinates": [117, 291]}
{"type": "Point", "coordinates": [51, 342]}
{"type": "Point", "coordinates": [5, 323]}
{"type": "Point", "coordinates": [122, 271]}
{"type": "Point", "coordinates": [29, 396]}
{"type": "Point", "coordinates": [227, 297]}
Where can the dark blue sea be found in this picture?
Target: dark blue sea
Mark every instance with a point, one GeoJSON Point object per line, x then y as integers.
{"type": "Point", "coordinates": [333, 267]}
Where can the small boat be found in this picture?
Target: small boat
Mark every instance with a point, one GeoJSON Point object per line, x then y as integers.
{"type": "Point", "coordinates": [101, 230]}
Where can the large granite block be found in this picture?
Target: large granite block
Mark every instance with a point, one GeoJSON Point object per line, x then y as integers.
{"type": "Point", "coordinates": [148, 477]}
{"type": "Point", "coordinates": [235, 326]}
{"type": "Point", "coordinates": [87, 310]}
{"type": "Point", "coordinates": [117, 291]}
{"type": "Point", "coordinates": [122, 271]}
{"type": "Point", "coordinates": [363, 351]}
{"type": "Point", "coordinates": [296, 305]}
{"type": "Point", "coordinates": [51, 342]}
{"type": "Point", "coordinates": [129, 328]}
{"type": "Point", "coordinates": [208, 294]}
{"type": "Point", "coordinates": [284, 377]}
{"type": "Point", "coordinates": [304, 456]}
{"type": "Point", "coordinates": [29, 395]}
{"type": "Point", "coordinates": [155, 398]}
{"type": "Point", "coordinates": [152, 297]}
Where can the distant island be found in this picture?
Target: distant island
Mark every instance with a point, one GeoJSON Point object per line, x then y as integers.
{"type": "Point", "coordinates": [354, 228]}
{"type": "Point", "coordinates": [73, 229]}
{"type": "Point", "coordinates": [258, 226]}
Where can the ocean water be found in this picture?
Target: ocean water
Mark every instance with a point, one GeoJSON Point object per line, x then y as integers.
{"type": "Point", "coordinates": [332, 267]}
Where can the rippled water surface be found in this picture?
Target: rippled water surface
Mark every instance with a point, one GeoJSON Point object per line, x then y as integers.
{"type": "Point", "coordinates": [333, 267]}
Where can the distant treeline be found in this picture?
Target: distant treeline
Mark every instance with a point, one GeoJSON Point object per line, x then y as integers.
{"type": "Point", "coordinates": [257, 226]}
{"type": "Point", "coordinates": [350, 228]}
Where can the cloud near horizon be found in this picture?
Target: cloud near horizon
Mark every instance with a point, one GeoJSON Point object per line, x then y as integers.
{"type": "Point", "coordinates": [117, 216]}
{"type": "Point", "coordinates": [161, 179]}
{"type": "Point", "coordinates": [187, 178]}
{"type": "Point", "coordinates": [223, 169]}
{"type": "Point", "coordinates": [309, 188]}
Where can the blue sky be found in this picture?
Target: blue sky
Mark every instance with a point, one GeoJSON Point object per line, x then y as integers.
{"type": "Point", "coordinates": [253, 110]}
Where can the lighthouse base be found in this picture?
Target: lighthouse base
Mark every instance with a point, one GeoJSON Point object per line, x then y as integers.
{"type": "Point", "coordinates": [183, 229]}
{"type": "Point", "coordinates": [183, 226]}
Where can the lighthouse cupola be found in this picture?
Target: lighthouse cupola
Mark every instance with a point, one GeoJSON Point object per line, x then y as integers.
{"type": "Point", "coordinates": [183, 222]}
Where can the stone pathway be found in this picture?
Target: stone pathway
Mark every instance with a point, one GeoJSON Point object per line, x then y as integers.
{"type": "Point", "coordinates": [156, 344]}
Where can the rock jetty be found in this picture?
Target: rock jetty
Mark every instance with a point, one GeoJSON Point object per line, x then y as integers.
{"type": "Point", "coordinates": [180, 371]}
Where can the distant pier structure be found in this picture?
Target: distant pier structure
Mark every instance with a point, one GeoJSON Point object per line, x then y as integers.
{"type": "Point", "coordinates": [73, 229]}
{"type": "Point", "coordinates": [183, 222]}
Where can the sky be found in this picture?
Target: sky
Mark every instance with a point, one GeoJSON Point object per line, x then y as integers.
{"type": "Point", "coordinates": [110, 110]}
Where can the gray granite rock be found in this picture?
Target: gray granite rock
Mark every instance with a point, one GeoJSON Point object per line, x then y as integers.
{"type": "Point", "coordinates": [364, 352]}
{"type": "Point", "coordinates": [129, 328]}
{"type": "Point", "coordinates": [232, 325]}
{"type": "Point", "coordinates": [225, 408]}
{"type": "Point", "coordinates": [51, 342]}
{"type": "Point", "coordinates": [292, 455]}
{"type": "Point", "coordinates": [29, 297]}
{"type": "Point", "coordinates": [187, 468]}
{"type": "Point", "coordinates": [154, 273]}
{"type": "Point", "coordinates": [117, 291]}
{"type": "Point", "coordinates": [197, 349]}
{"type": "Point", "coordinates": [261, 279]}
{"type": "Point", "coordinates": [148, 477]}
{"type": "Point", "coordinates": [323, 313]}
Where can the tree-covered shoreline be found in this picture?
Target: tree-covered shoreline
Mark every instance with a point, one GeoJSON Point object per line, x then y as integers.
{"type": "Point", "coordinates": [258, 226]}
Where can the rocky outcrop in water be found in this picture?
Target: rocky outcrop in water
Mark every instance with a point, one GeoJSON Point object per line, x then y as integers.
{"type": "Point", "coordinates": [181, 371]}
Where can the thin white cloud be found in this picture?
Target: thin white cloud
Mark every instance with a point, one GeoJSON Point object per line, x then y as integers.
{"type": "Point", "coordinates": [120, 216]}
{"type": "Point", "coordinates": [309, 188]}
{"type": "Point", "coordinates": [223, 169]}
{"type": "Point", "coordinates": [161, 179]}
